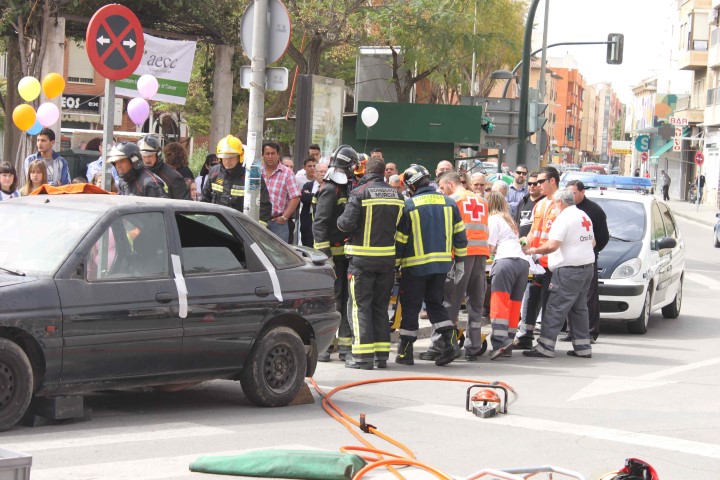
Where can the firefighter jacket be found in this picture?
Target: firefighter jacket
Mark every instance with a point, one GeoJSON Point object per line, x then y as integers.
{"type": "Point", "coordinates": [474, 212]}
{"type": "Point", "coordinates": [142, 183]}
{"type": "Point", "coordinates": [329, 205]}
{"type": "Point", "coordinates": [175, 186]}
{"type": "Point", "coordinates": [430, 232]}
{"type": "Point", "coordinates": [371, 217]}
{"type": "Point", "coordinates": [227, 187]}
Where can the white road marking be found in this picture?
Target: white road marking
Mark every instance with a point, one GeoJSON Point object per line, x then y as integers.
{"type": "Point", "coordinates": [589, 431]}
{"type": "Point", "coordinates": [607, 384]}
{"type": "Point", "coordinates": [707, 282]}
{"type": "Point", "coordinates": [108, 436]}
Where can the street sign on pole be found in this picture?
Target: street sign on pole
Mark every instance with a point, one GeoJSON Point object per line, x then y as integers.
{"type": "Point", "coordinates": [644, 156]}
{"type": "Point", "coordinates": [276, 78]}
{"type": "Point", "coordinates": [699, 159]}
{"type": "Point", "coordinates": [642, 143]}
{"type": "Point", "coordinates": [114, 41]}
{"type": "Point", "coordinates": [278, 30]}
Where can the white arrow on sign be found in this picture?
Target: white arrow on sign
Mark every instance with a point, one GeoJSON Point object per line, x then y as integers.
{"type": "Point", "coordinates": [102, 40]}
{"type": "Point", "coordinates": [129, 43]}
{"type": "Point", "coordinates": [606, 384]}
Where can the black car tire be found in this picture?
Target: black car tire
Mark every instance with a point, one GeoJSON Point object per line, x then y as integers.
{"type": "Point", "coordinates": [16, 383]}
{"type": "Point", "coordinates": [672, 310]}
{"type": "Point", "coordinates": [640, 325]}
{"type": "Point", "coordinates": [275, 370]}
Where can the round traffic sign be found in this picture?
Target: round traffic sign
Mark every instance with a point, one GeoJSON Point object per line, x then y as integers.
{"type": "Point", "coordinates": [278, 33]}
{"type": "Point", "coordinates": [699, 159]}
{"type": "Point", "coordinates": [114, 41]}
{"type": "Point", "coordinates": [644, 156]}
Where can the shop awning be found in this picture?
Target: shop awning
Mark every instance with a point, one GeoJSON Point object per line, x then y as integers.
{"type": "Point", "coordinates": [662, 149]}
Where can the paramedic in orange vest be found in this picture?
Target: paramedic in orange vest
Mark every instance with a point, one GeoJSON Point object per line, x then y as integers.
{"type": "Point", "coordinates": [543, 216]}
{"type": "Point", "coordinates": [472, 285]}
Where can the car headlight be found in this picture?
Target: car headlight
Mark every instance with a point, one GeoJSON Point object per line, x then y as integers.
{"type": "Point", "coordinates": [627, 269]}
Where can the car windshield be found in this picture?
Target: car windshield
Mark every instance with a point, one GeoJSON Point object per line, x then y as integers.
{"type": "Point", "coordinates": [625, 220]}
{"type": "Point", "coordinates": [36, 240]}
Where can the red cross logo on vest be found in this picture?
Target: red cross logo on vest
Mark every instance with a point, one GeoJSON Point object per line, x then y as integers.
{"type": "Point", "coordinates": [475, 209]}
{"type": "Point", "coordinates": [586, 223]}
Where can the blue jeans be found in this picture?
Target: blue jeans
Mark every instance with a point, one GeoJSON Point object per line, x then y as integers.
{"type": "Point", "coordinates": [281, 230]}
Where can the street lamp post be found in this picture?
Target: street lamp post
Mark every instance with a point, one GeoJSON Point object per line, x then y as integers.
{"type": "Point", "coordinates": [565, 126]}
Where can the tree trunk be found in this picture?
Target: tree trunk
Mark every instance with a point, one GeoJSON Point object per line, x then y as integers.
{"type": "Point", "coordinates": [12, 135]}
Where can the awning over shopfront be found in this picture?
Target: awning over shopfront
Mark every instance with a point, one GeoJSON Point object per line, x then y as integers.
{"type": "Point", "coordinates": [662, 150]}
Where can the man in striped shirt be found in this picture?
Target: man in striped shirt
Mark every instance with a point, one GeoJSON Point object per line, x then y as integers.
{"type": "Point", "coordinates": [283, 189]}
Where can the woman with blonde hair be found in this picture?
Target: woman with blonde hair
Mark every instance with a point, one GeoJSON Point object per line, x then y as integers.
{"type": "Point", "coordinates": [37, 176]}
{"type": "Point", "coordinates": [508, 275]}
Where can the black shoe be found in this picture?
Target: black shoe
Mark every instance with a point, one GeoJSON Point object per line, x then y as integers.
{"type": "Point", "coordinates": [380, 363]}
{"type": "Point", "coordinates": [505, 351]}
{"type": "Point", "coordinates": [565, 338]}
{"type": "Point", "coordinates": [350, 362]}
{"type": "Point", "coordinates": [573, 353]}
{"type": "Point", "coordinates": [324, 356]}
{"type": "Point", "coordinates": [451, 351]}
{"type": "Point", "coordinates": [534, 353]}
{"type": "Point", "coordinates": [523, 343]}
{"type": "Point", "coordinates": [471, 358]}
{"type": "Point", "coordinates": [405, 353]}
{"type": "Point", "coordinates": [343, 356]}
{"type": "Point", "coordinates": [429, 355]}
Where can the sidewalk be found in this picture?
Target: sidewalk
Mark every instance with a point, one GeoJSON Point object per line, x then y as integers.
{"type": "Point", "coordinates": [705, 214]}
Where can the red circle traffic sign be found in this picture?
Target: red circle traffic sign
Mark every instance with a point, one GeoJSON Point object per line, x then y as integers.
{"type": "Point", "coordinates": [644, 156]}
{"type": "Point", "coordinates": [699, 159]}
{"type": "Point", "coordinates": [114, 41]}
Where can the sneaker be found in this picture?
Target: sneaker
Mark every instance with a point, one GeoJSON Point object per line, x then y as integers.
{"type": "Point", "coordinates": [534, 353]}
{"type": "Point", "coordinates": [505, 351]}
{"type": "Point", "coordinates": [324, 356]}
{"type": "Point", "coordinates": [573, 353]}
{"type": "Point", "coordinates": [523, 343]}
{"type": "Point", "coordinates": [380, 363]}
{"type": "Point", "coordinates": [429, 355]}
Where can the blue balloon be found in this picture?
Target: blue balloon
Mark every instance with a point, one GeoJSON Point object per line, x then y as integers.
{"type": "Point", "coordinates": [35, 129]}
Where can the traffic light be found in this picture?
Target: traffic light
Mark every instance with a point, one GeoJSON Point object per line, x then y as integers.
{"type": "Point", "coordinates": [536, 116]}
{"type": "Point", "coordinates": [615, 48]}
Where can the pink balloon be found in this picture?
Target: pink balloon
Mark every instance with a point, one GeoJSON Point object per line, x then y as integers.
{"type": "Point", "coordinates": [147, 86]}
{"type": "Point", "coordinates": [138, 110]}
{"type": "Point", "coordinates": [47, 114]}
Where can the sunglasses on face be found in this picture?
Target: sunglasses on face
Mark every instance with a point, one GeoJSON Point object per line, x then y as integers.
{"type": "Point", "coordinates": [541, 181]}
{"type": "Point", "coordinates": [520, 173]}
{"type": "Point", "coordinates": [532, 184]}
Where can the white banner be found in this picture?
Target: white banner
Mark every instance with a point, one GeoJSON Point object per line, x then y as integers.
{"type": "Point", "coordinates": [170, 61]}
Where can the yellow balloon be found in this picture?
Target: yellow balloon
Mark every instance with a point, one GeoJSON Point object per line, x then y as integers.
{"type": "Point", "coordinates": [24, 116]}
{"type": "Point", "coordinates": [53, 85]}
{"type": "Point", "coordinates": [29, 88]}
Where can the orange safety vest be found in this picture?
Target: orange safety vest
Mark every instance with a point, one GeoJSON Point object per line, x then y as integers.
{"type": "Point", "coordinates": [543, 217]}
{"type": "Point", "coordinates": [474, 213]}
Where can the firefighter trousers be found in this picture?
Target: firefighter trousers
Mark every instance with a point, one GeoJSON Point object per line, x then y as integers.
{"type": "Point", "coordinates": [415, 289]}
{"type": "Point", "coordinates": [508, 279]}
{"type": "Point", "coordinates": [368, 313]}
{"type": "Point", "coordinates": [341, 301]}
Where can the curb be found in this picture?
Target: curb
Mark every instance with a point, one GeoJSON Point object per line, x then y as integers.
{"type": "Point", "coordinates": [694, 218]}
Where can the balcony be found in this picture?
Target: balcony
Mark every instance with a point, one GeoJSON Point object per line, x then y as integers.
{"type": "Point", "coordinates": [696, 58]}
{"type": "Point", "coordinates": [689, 107]}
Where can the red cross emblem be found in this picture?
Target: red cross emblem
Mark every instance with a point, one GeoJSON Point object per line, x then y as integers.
{"type": "Point", "coordinates": [586, 223]}
{"type": "Point", "coordinates": [474, 208]}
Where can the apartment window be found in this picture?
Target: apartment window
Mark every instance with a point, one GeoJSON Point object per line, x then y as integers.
{"type": "Point", "coordinates": [80, 70]}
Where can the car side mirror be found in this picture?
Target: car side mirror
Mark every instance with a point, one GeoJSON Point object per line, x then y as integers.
{"type": "Point", "coordinates": [315, 256]}
{"type": "Point", "coordinates": [666, 242]}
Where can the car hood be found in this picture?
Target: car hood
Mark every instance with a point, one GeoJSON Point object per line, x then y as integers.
{"type": "Point", "coordinates": [7, 280]}
{"type": "Point", "coordinates": [615, 253]}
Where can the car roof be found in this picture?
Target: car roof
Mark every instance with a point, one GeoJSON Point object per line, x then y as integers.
{"type": "Point", "coordinates": [627, 195]}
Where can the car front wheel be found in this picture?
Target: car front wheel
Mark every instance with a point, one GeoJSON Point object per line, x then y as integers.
{"type": "Point", "coordinates": [16, 383]}
{"type": "Point", "coordinates": [275, 370]}
{"type": "Point", "coordinates": [640, 325]}
{"type": "Point", "coordinates": [673, 310]}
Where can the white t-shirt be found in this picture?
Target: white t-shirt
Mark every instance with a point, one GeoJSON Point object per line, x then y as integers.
{"type": "Point", "coordinates": [574, 229]}
{"type": "Point", "coordinates": [501, 236]}
{"type": "Point", "coordinates": [301, 177]}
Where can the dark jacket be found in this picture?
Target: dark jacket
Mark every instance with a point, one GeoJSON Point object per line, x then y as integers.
{"type": "Point", "coordinates": [227, 187]}
{"type": "Point", "coordinates": [372, 243]}
{"type": "Point", "coordinates": [599, 221]}
{"type": "Point", "coordinates": [175, 185]}
{"type": "Point", "coordinates": [306, 197]}
{"type": "Point", "coordinates": [330, 204]}
{"type": "Point", "coordinates": [523, 214]}
{"type": "Point", "coordinates": [142, 183]}
{"type": "Point", "coordinates": [431, 233]}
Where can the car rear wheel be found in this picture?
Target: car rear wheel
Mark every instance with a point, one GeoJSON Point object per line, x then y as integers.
{"type": "Point", "coordinates": [16, 383]}
{"type": "Point", "coordinates": [640, 325]}
{"type": "Point", "coordinates": [673, 310]}
{"type": "Point", "coordinates": [275, 370]}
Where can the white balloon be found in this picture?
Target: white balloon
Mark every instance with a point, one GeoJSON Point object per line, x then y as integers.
{"type": "Point", "coordinates": [369, 116]}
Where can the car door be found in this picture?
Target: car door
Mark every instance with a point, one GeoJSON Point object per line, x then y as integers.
{"type": "Point", "coordinates": [229, 292]}
{"type": "Point", "coordinates": [677, 254]}
{"type": "Point", "coordinates": [663, 265]}
{"type": "Point", "coordinates": [120, 309]}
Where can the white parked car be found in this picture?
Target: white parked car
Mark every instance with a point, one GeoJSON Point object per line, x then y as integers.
{"type": "Point", "coordinates": [641, 268]}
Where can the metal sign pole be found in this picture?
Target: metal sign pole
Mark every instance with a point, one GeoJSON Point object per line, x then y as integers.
{"type": "Point", "coordinates": [108, 126]}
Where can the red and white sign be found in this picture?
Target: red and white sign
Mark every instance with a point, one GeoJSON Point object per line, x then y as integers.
{"type": "Point", "coordinates": [678, 121]}
{"type": "Point", "coordinates": [644, 156]}
{"type": "Point", "coordinates": [114, 41]}
{"type": "Point", "coordinates": [699, 159]}
{"type": "Point", "coordinates": [677, 144]}
{"type": "Point", "coordinates": [678, 131]}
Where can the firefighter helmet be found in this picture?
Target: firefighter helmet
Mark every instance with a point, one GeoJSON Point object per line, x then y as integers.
{"type": "Point", "coordinates": [342, 162]}
{"type": "Point", "coordinates": [229, 147]}
{"type": "Point", "coordinates": [414, 174]}
{"type": "Point", "coordinates": [150, 144]}
{"type": "Point", "coordinates": [126, 150]}
{"type": "Point", "coordinates": [634, 469]}
{"type": "Point", "coordinates": [360, 167]}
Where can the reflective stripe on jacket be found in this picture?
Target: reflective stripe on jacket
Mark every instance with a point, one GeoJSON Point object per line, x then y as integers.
{"type": "Point", "coordinates": [329, 205]}
{"type": "Point", "coordinates": [227, 187]}
{"type": "Point", "coordinates": [543, 217]}
{"type": "Point", "coordinates": [474, 212]}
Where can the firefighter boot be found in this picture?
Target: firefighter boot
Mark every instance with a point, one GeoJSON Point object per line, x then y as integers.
{"type": "Point", "coordinates": [405, 352]}
{"type": "Point", "coordinates": [452, 349]}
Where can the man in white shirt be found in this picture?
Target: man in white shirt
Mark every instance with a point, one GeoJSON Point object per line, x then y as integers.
{"type": "Point", "coordinates": [307, 174]}
{"type": "Point", "coordinates": [571, 259]}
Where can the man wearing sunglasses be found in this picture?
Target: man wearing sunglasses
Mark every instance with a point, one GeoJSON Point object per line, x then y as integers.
{"type": "Point", "coordinates": [518, 189]}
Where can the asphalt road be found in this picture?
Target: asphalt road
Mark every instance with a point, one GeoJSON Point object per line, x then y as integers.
{"type": "Point", "coordinates": [653, 396]}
